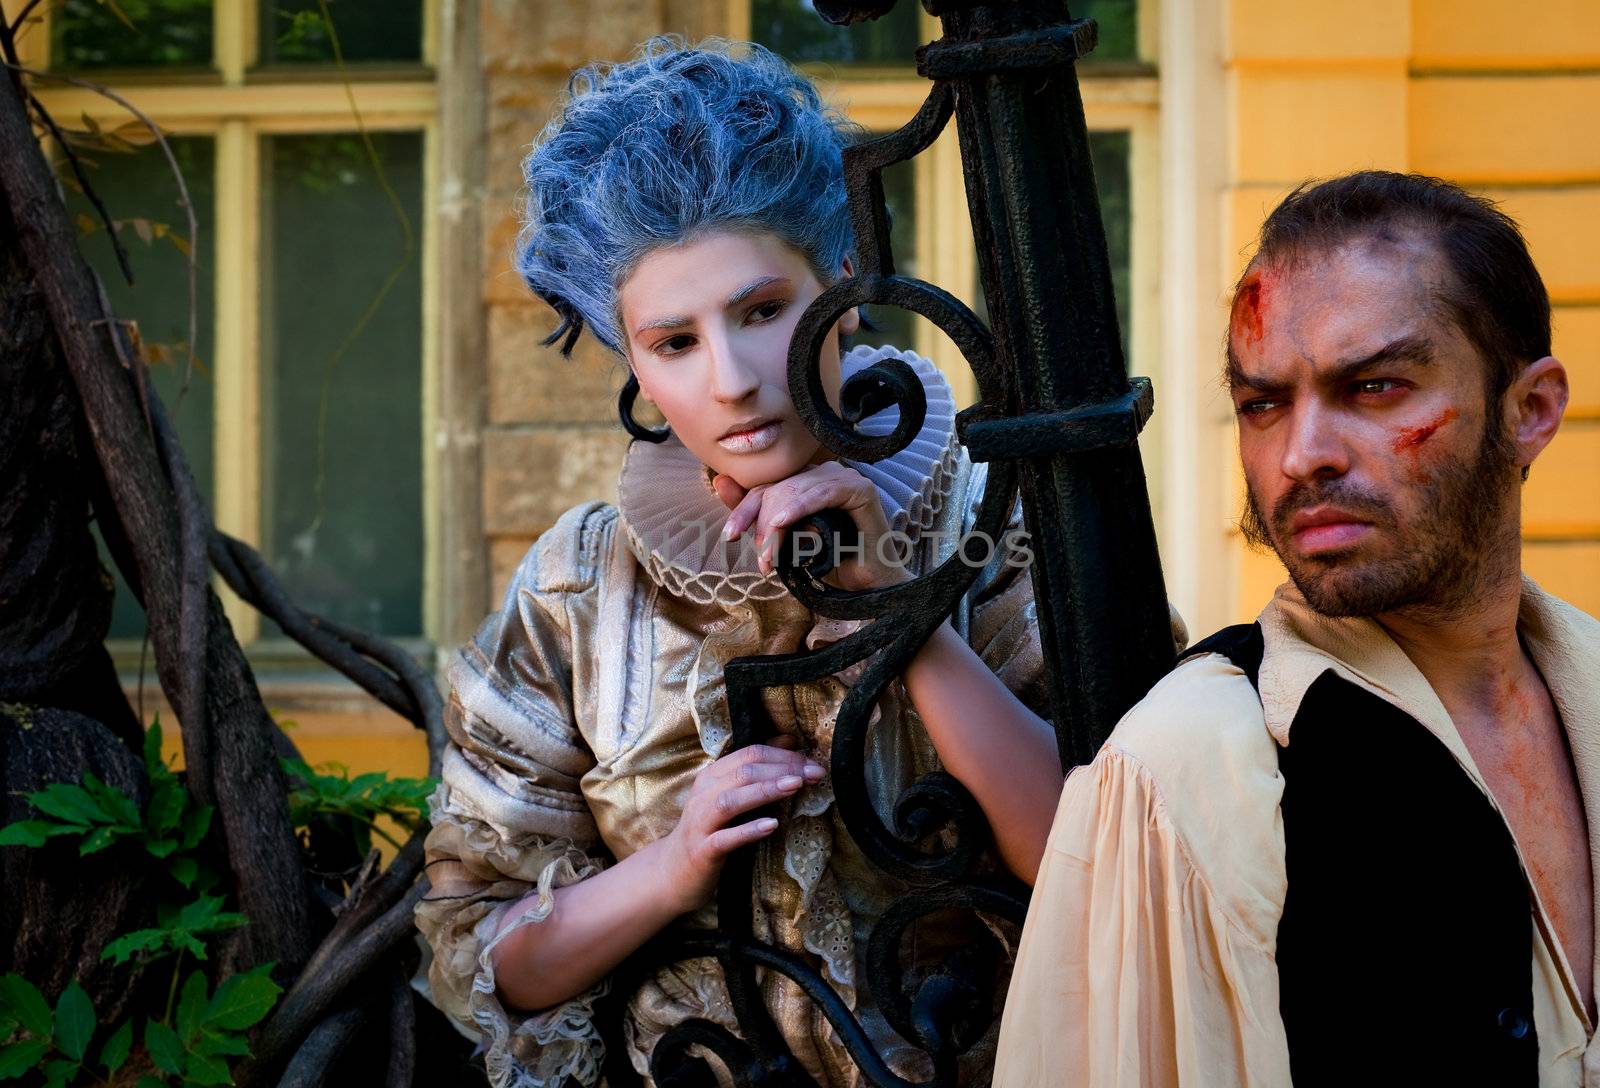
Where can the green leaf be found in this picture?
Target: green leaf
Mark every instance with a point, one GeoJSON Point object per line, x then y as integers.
{"type": "Point", "coordinates": [160, 848]}
{"type": "Point", "coordinates": [213, 1043]}
{"type": "Point", "coordinates": [243, 1000]}
{"type": "Point", "coordinates": [140, 940]}
{"type": "Point", "coordinates": [35, 832]}
{"type": "Point", "coordinates": [164, 1046]}
{"type": "Point", "coordinates": [119, 805]}
{"type": "Point", "coordinates": [153, 763]}
{"type": "Point", "coordinates": [166, 806]}
{"type": "Point", "coordinates": [58, 1073]}
{"type": "Point", "coordinates": [183, 870]}
{"type": "Point", "coordinates": [98, 840]}
{"type": "Point", "coordinates": [22, 1000]}
{"type": "Point", "coordinates": [74, 1021]}
{"type": "Point", "coordinates": [148, 1081]}
{"type": "Point", "coordinates": [191, 1006]}
{"type": "Point", "coordinates": [115, 1050]}
{"type": "Point", "coordinates": [70, 803]}
{"type": "Point", "coordinates": [195, 824]}
{"type": "Point", "coordinates": [204, 1069]}
{"type": "Point", "coordinates": [18, 1058]}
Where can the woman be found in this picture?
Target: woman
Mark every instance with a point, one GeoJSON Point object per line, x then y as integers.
{"type": "Point", "coordinates": [686, 206]}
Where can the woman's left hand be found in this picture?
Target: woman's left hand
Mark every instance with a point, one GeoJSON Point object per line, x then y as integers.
{"type": "Point", "coordinates": [771, 508]}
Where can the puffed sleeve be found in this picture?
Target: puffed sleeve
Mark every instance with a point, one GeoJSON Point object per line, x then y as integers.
{"type": "Point", "coordinates": [1147, 959]}
{"type": "Point", "coordinates": [1004, 629]}
{"type": "Point", "coordinates": [508, 815]}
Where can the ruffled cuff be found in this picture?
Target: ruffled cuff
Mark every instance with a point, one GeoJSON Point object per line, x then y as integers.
{"type": "Point", "coordinates": [540, 1049]}
{"type": "Point", "coordinates": [478, 878]}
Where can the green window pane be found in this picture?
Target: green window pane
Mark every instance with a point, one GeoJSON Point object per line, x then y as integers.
{"type": "Point", "coordinates": [892, 325]}
{"type": "Point", "coordinates": [139, 192]}
{"type": "Point", "coordinates": [130, 34]}
{"type": "Point", "coordinates": [293, 31]}
{"type": "Point", "coordinates": [1109, 153]}
{"type": "Point", "coordinates": [793, 29]}
{"type": "Point", "coordinates": [344, 527]}
{"type": "Point", "coordinates": [1119, 27]}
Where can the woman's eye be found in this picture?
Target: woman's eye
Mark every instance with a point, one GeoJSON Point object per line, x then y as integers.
{"type": "Point", "coordinates": [674, 345]}
{"type": "Point", "coordinates": [768, 310]}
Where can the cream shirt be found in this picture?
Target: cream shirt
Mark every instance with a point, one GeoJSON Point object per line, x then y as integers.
{"type": "Point", "coordinates": [1148, 954]}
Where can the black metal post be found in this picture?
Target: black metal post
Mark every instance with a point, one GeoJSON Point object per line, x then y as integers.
{"type": "Point", "coordinates": [1058, 419]}
{"type": "Point", "coordinates": [1047, 278]}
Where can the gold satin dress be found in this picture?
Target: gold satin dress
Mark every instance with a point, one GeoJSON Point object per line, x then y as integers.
{"type": "Point", "coordinates": [581, 711]}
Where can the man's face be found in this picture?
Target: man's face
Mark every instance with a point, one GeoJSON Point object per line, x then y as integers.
{"type": "Point", "coordinates": [1373, 465]}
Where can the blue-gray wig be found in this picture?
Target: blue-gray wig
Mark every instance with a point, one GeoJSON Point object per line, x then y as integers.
{"type": "Point", "coordinates": [672, 142]}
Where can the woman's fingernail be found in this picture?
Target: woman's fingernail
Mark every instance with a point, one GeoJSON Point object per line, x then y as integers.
{"type": "Point", "coordinates": [727, 529]}
{"type": "Point", "coordinates": [766, 823]}
{"type": "Point", "coordinates": [813, 771]}
{"type": "Point", "coordinates": [791, 782]}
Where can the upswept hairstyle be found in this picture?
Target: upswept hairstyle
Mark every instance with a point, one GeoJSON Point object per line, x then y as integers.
{"type": "Point", "coordinates": [669, 143]}
{"type": "Point", "coordinates": [1493, 292]}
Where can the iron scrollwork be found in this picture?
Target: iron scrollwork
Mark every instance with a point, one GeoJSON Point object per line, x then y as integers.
{"type": "Point", "coordinates": [936, 842]}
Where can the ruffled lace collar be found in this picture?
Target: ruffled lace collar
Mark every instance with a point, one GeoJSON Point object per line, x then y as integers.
{"type": "Point", "coordinates": [673, 519]}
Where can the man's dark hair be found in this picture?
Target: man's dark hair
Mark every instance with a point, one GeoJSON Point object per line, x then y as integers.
{"type": "Point", "coordinates": [1493, 291]}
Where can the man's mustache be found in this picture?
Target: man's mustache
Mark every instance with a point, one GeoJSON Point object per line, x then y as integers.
{"type": "Point", "coordinates": [1342, 493]}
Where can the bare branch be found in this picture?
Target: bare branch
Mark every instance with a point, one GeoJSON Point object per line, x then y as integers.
{"type": "Point", "coordinates": [402, 1033]}
{"type": "Point", "coordinates": [93, 197]}
{"type": "Point", "coordinates": [310, 1065]}
{"type": "Point", "coordinates": [177, 176]}
{"type": "Point", "coordinates": [315, 991]}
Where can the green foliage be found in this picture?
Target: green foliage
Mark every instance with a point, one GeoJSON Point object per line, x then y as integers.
{"type": "Point", "coordinates": [191, 1049]}
{"type": "Point", "coordinates": [335, 799]}
{"type": "Point", "coordinates": [170, 828]}
{"type": "Point", "coordinates": [192, 1043]}
{"type": "Point", "coordinates": [178, 930]}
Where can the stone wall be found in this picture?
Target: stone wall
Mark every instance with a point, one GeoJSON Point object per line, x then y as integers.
{"type": "Point", "coordinates": [550, 439]}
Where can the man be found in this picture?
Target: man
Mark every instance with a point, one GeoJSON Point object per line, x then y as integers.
{"type": "Point", "coordinates": [1350, 844]}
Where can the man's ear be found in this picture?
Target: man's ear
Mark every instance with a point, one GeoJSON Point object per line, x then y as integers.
{"type": "Point", "coordinates": [1534, 406]}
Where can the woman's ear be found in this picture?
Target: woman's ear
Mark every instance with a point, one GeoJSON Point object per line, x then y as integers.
{"type": "Point", "coordinates": [850, 320]}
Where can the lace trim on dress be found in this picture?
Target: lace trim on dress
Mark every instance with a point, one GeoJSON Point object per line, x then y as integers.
{"type": "Point", "coordinates": [673, 519]}
{"type": "Point", "coordinates": [541, 1049]}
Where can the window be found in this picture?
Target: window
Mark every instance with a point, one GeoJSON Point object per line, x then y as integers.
{"type": "Point", "coordinates": [869, 69]}
{"type": "Point", "coordinates": [304, 413]}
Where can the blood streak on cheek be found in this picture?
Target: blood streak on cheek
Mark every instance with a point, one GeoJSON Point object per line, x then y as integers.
{"type": "Point", "coordinates": [1248, 320]}
{"type": "Point", "coordinates": [1413, 437]}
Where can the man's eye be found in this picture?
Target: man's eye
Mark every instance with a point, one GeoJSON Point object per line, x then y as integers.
{"type": "Point", "coordinates": [1257, 407]}
{"type": "Point", "coordinates": [1374, 386]}
{"type": "Point", "coordinates": [768, 310]}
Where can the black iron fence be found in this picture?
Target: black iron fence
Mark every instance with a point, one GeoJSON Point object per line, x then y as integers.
{"type": "Point", "coordinates": [1057, 418]}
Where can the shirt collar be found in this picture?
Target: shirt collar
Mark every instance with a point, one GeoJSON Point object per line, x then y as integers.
{"type": "Point", "coordinates": [1301, 644]}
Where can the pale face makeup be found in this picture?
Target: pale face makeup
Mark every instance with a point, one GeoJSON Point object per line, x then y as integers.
{"type": "Point", "coordinates": [708, 324]}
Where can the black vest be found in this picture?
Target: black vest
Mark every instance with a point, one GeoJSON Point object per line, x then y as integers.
{"type": "Point", "coordinates": [1406, 944]}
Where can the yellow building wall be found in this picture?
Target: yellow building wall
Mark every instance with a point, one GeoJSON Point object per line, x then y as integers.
{"type": "Point", "coordinates": [1503, 102]}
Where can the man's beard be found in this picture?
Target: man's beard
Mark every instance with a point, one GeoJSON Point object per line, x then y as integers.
{"type": "Point", "coordinates": [1439, 562]}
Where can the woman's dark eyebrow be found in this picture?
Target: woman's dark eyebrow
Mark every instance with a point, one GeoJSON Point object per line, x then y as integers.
{"type": "Point", "coordinates": [752, 287]}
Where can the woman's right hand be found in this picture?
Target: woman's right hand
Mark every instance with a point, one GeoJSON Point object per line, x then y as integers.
{"type": "Point", "coordinates": [723, 791]}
